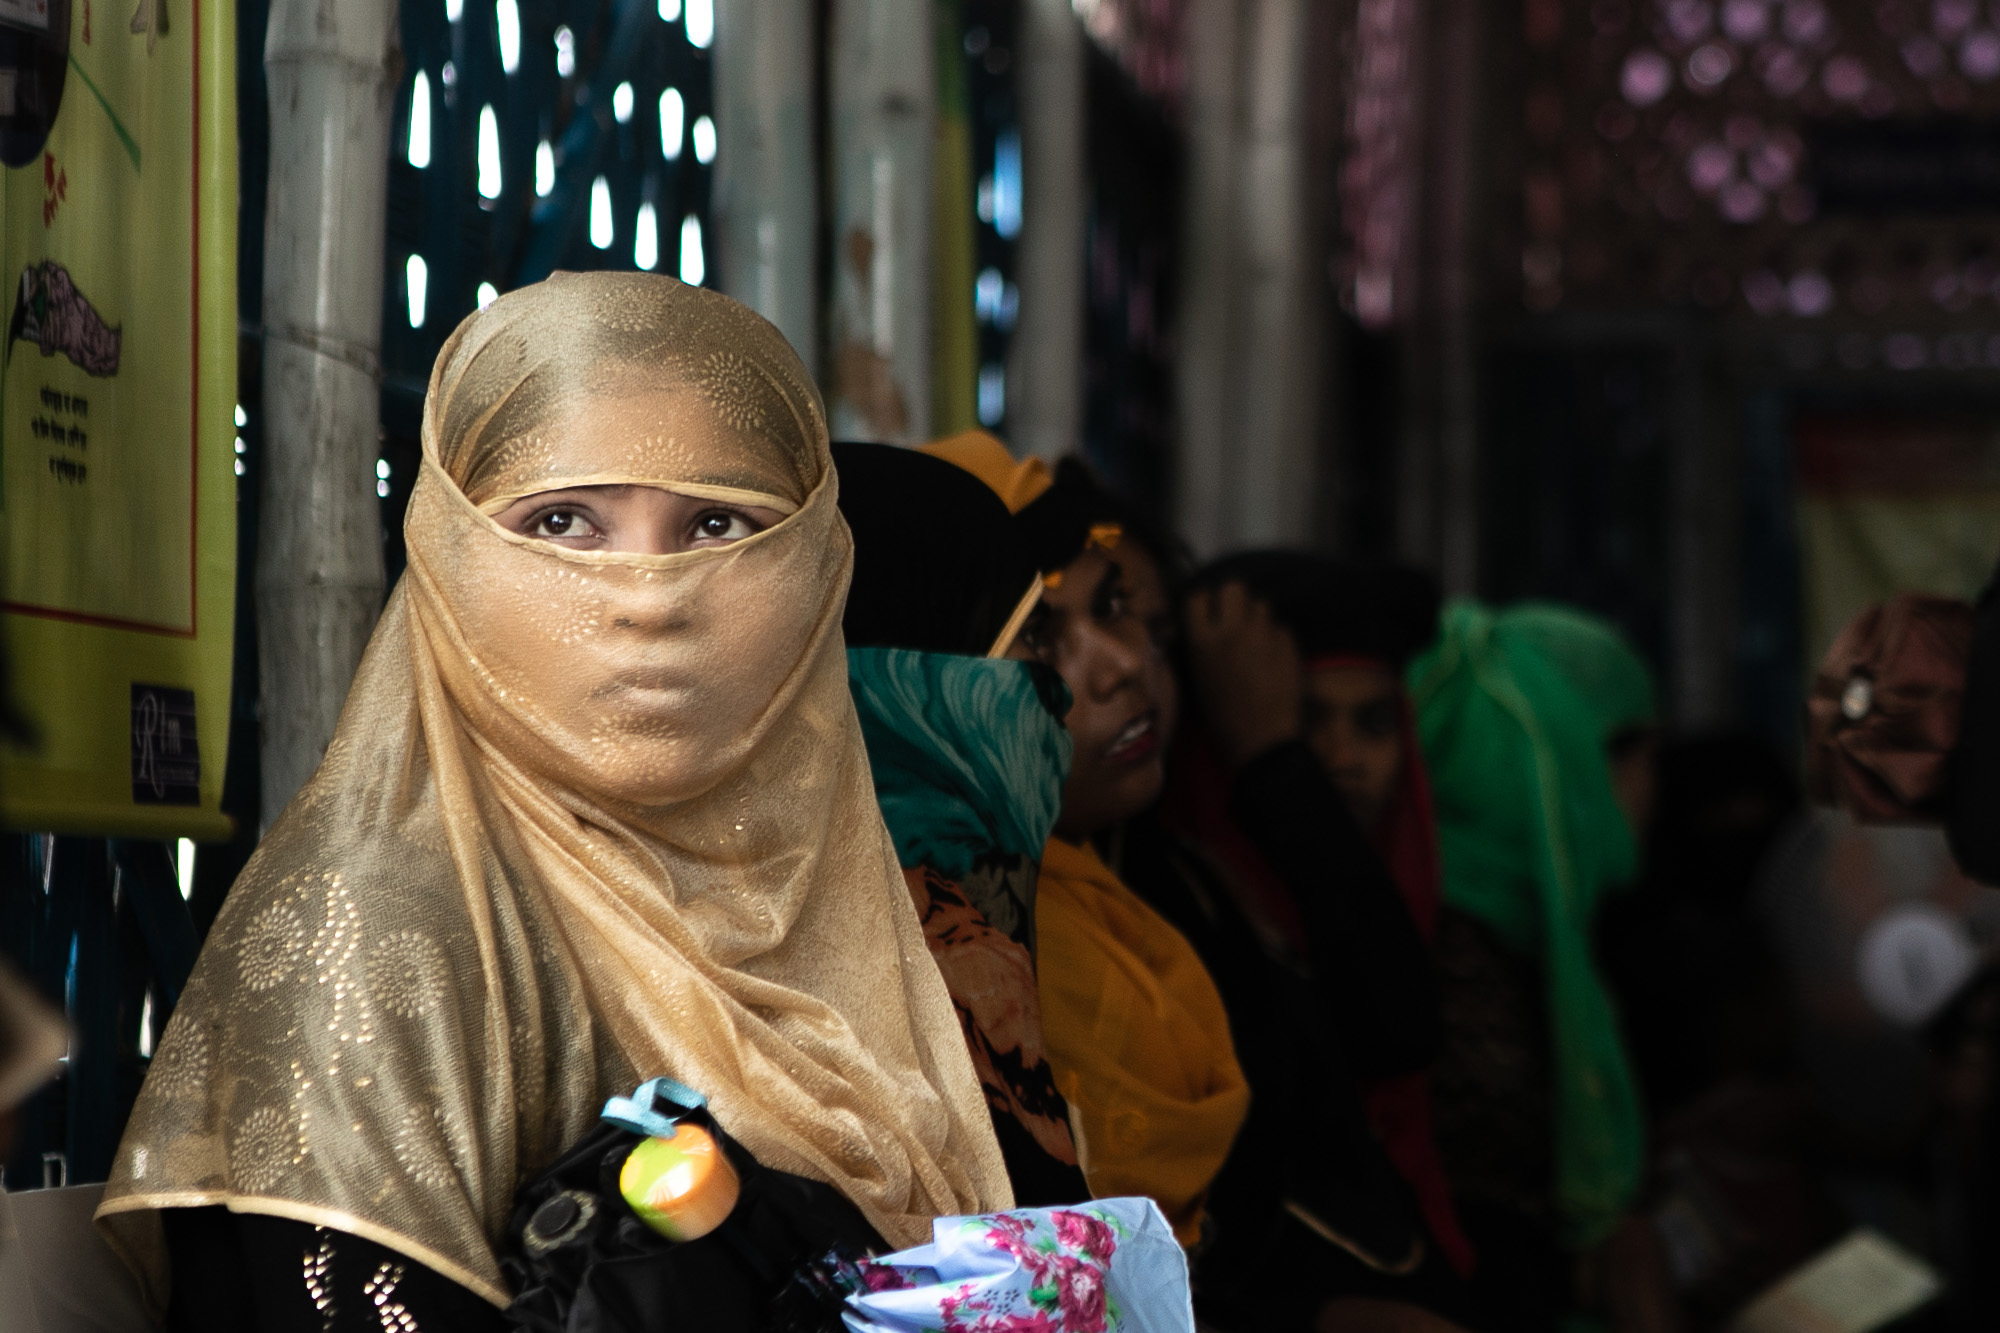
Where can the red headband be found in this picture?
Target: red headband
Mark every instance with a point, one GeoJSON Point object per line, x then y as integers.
{"type": "Point", "coordinates": [1328, 661]}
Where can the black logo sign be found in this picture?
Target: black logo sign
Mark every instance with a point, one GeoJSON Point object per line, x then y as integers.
{"type": "Point", "coordinates": [166, 756]}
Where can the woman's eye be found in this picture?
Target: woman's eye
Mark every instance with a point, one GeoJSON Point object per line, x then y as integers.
{"type": "Point", "coordinates": [722, 526]}
{"type": "Point", "coordinates": [562, 523]}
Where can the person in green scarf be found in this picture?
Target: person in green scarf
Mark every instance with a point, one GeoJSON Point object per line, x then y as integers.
{"type": "Point", "coordinates": [1536, 723]}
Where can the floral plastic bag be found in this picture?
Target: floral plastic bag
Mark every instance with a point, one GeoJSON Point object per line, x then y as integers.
{"type": "Point", "coordinates": [1108, 1266]}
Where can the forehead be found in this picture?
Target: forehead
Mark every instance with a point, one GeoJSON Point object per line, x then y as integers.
{"type": "Point", "coordinates": [1353, 684]}
{"type": "Point", "coordinates": [1142, 572]}
{"type": "Point", "coordinates": [1082, 577]}
{"type": "Point", "coordinates": [614, 379]}
{"type": "Point", "coordinates": [642, 434]}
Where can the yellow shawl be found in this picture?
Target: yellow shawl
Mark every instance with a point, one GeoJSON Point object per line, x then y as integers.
{"type": "Point", "coordinates": [587, 818]}
{"type": "Point", "coordinates": [1137, 1037]}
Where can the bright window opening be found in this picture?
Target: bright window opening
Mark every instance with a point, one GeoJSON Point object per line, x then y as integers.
{"type": "Point", "coordinates": [694, 266]}
{"type": "Point", "coordinates": [600, 213]}
{"type": "Point", "coordinates": [545, 169]}
{"type": "Point", "coordinates": [646, 238]}
{"type": "Point", "coordinates": [992, 394]}
{"type": "Point", "coordinates": [1007, 185]}
{"type": "Point", "coordinates": [704, 140]}
{"type": "Point", "coordinates": [507, 16]}
{"type": "Point", "coordinates": [489, 153]}
{"type": "Point", "coordinates": [416, 281]}
{"type": "Point", "coordinates": [672, 116]}
{"type": "Point", "coordinates": [987, 289]}
{"type": "Point", "coordinates": [420, 121]}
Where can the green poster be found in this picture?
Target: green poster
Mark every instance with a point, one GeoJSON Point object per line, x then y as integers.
{"type": "Point", "coordinates": [117, 401]}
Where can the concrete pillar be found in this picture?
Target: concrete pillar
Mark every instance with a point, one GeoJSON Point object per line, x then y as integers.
{"type": "Point", "coordinates": [884, 113]}
{"type": "Point", "coordinates": [1281, 286]}
{"type": "Point", "coordinates": [1204, 335]}
{"type": "Point", "coordinates": [766, 203]}
{"type": "Point", "coordinates": [1252, 284]}
{"type": "Point", "coordinates": [319, 560]}
{"type": "Point", "coordinates": [1045, 370]}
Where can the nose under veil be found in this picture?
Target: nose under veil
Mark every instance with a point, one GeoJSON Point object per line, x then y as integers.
{"type": "Point", "coordinates": [587, 818]}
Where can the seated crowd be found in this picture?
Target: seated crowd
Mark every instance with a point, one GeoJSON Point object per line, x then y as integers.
{"type": "Point", "coordinates": [950, 842]}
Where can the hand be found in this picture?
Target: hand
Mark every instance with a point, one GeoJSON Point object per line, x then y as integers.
{"type": "Point", "coordinates": [1246, 670]}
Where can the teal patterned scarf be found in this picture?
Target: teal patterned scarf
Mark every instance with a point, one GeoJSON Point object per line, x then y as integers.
{"type": "Point", "coordinates": [969, 753]}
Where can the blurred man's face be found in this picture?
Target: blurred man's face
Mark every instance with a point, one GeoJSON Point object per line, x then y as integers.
{"type": "Point", "coordinates": [1353, 716]}
{"type": "Point", "coordinates": [1103, 628]}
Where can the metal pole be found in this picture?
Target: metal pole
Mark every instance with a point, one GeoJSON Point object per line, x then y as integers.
{"type": "Point", "coordinates": [319, 559]}
{"type": "Point", "coordinates": [884, 113]}
{"type": "Point", "coordinates": [766, 187]}
{"type": "Point", "coordinates": [1045, 379]}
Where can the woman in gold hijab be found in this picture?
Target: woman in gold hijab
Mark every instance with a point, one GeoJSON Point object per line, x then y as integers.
{"type": "Point", "coordinates": [597, 810]}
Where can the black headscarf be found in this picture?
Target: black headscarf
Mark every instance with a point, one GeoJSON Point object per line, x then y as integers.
{"type": "Point", "coordinates": [939, 565]}
{"type": "Point", "coordinates": [1057, 525]}
{"type": "Point", "coordinates": [1338, 609]}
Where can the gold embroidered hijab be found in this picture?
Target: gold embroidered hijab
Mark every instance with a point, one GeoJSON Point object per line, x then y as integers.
{"type": "Point", "coordinates": [587, 818]}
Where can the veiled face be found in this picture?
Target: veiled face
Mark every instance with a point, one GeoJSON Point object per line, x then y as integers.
{"type": "Point", "coordinates": [634, 520]}
{"type": "Point", "coordinates": [630, 532]}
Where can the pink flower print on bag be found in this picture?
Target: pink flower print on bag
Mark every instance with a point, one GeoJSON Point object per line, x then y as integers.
{"type": "Point", "coordinates": [1108, 1266]}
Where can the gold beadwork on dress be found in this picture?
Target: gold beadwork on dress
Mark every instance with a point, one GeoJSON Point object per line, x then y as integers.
{"type": "Point", "coordinates": [318, 1263]}
{"type": "Point", "coordinates": [390, 1313]}
{"type": "Point", "coordinates": [587, 818]}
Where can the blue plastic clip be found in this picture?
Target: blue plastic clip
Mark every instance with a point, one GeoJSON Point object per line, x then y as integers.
{"type": "Point", "coordinates": [639, 1113]}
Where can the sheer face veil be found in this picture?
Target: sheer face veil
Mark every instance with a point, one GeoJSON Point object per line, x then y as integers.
{"type": "Point", "coordinates": [587, 817]}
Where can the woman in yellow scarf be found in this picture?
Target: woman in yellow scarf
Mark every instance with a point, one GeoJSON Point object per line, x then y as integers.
{"type": "Point", "coordinates": [1136, 1031]}
{"type": "Point", "coordinates": [1138, 1039]}
{"type": "Point", "coordinates": [597, 810]}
